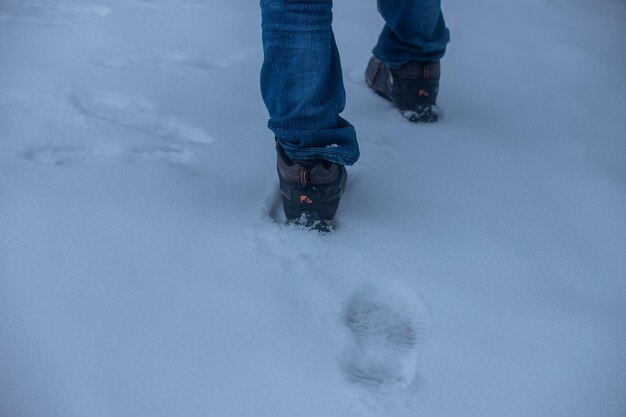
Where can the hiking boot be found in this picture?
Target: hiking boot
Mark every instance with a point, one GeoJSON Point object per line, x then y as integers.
{"type": "Point", "coordinates": [310, 190]}
{"type": "Point", "coordinates": [412, 88]}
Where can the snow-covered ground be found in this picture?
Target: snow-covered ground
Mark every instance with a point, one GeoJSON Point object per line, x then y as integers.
{"type": "Point", "coordinates": [142, 274]}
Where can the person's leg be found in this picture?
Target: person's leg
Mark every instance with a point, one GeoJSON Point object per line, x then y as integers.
{"type": "Point", "coordinates": [405, 67]}
{"type": "Point", "coordinates": [301, 82]}
{"type": "Point", "coordinates": [414, 31]}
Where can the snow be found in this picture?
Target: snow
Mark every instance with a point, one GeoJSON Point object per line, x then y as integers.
{"type": "Point", "coordinates": [142, 272]}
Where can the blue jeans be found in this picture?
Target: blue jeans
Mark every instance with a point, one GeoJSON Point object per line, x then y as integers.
{"type": "Point", "coordinates": [301, 78]}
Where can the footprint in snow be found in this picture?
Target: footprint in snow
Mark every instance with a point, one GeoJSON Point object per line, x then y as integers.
{"type": "Point", "coordinates": [389, 326]}
{"type": "Point", "coordinates": [137, 114]}
{"type": "Point", "coordinates": [50, 11]}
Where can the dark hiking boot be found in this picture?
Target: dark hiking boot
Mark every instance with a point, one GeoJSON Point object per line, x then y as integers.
{"type": "Point", "coordinates": [310, 190]}
{"type": "Point", "coordinates": [412, 88]}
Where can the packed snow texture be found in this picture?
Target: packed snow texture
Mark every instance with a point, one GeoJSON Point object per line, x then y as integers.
{"type": "Point", "coordinates": [478, 264]}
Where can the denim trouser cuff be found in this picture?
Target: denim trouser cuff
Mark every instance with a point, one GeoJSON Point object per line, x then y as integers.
{"type": "Point", "coordinates": [337, 145]}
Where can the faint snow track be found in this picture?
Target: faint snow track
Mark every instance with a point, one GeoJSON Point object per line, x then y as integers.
{"type": "Point", "coordinates": [50, 11]}
{"type": "Point", "coordinates": [137, 114]}
{"type": "Point", "coordinates": [161, 60]}
{"type": "Point", "coordinates": [92, 129]}
{"type": "Point", "coordinates": [106, 155]}
{"type": "Point", "coordinates": [166, 4]}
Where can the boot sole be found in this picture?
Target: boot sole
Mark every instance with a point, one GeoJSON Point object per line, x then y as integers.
{"type": "Point", "coordinates": [312, 220]}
